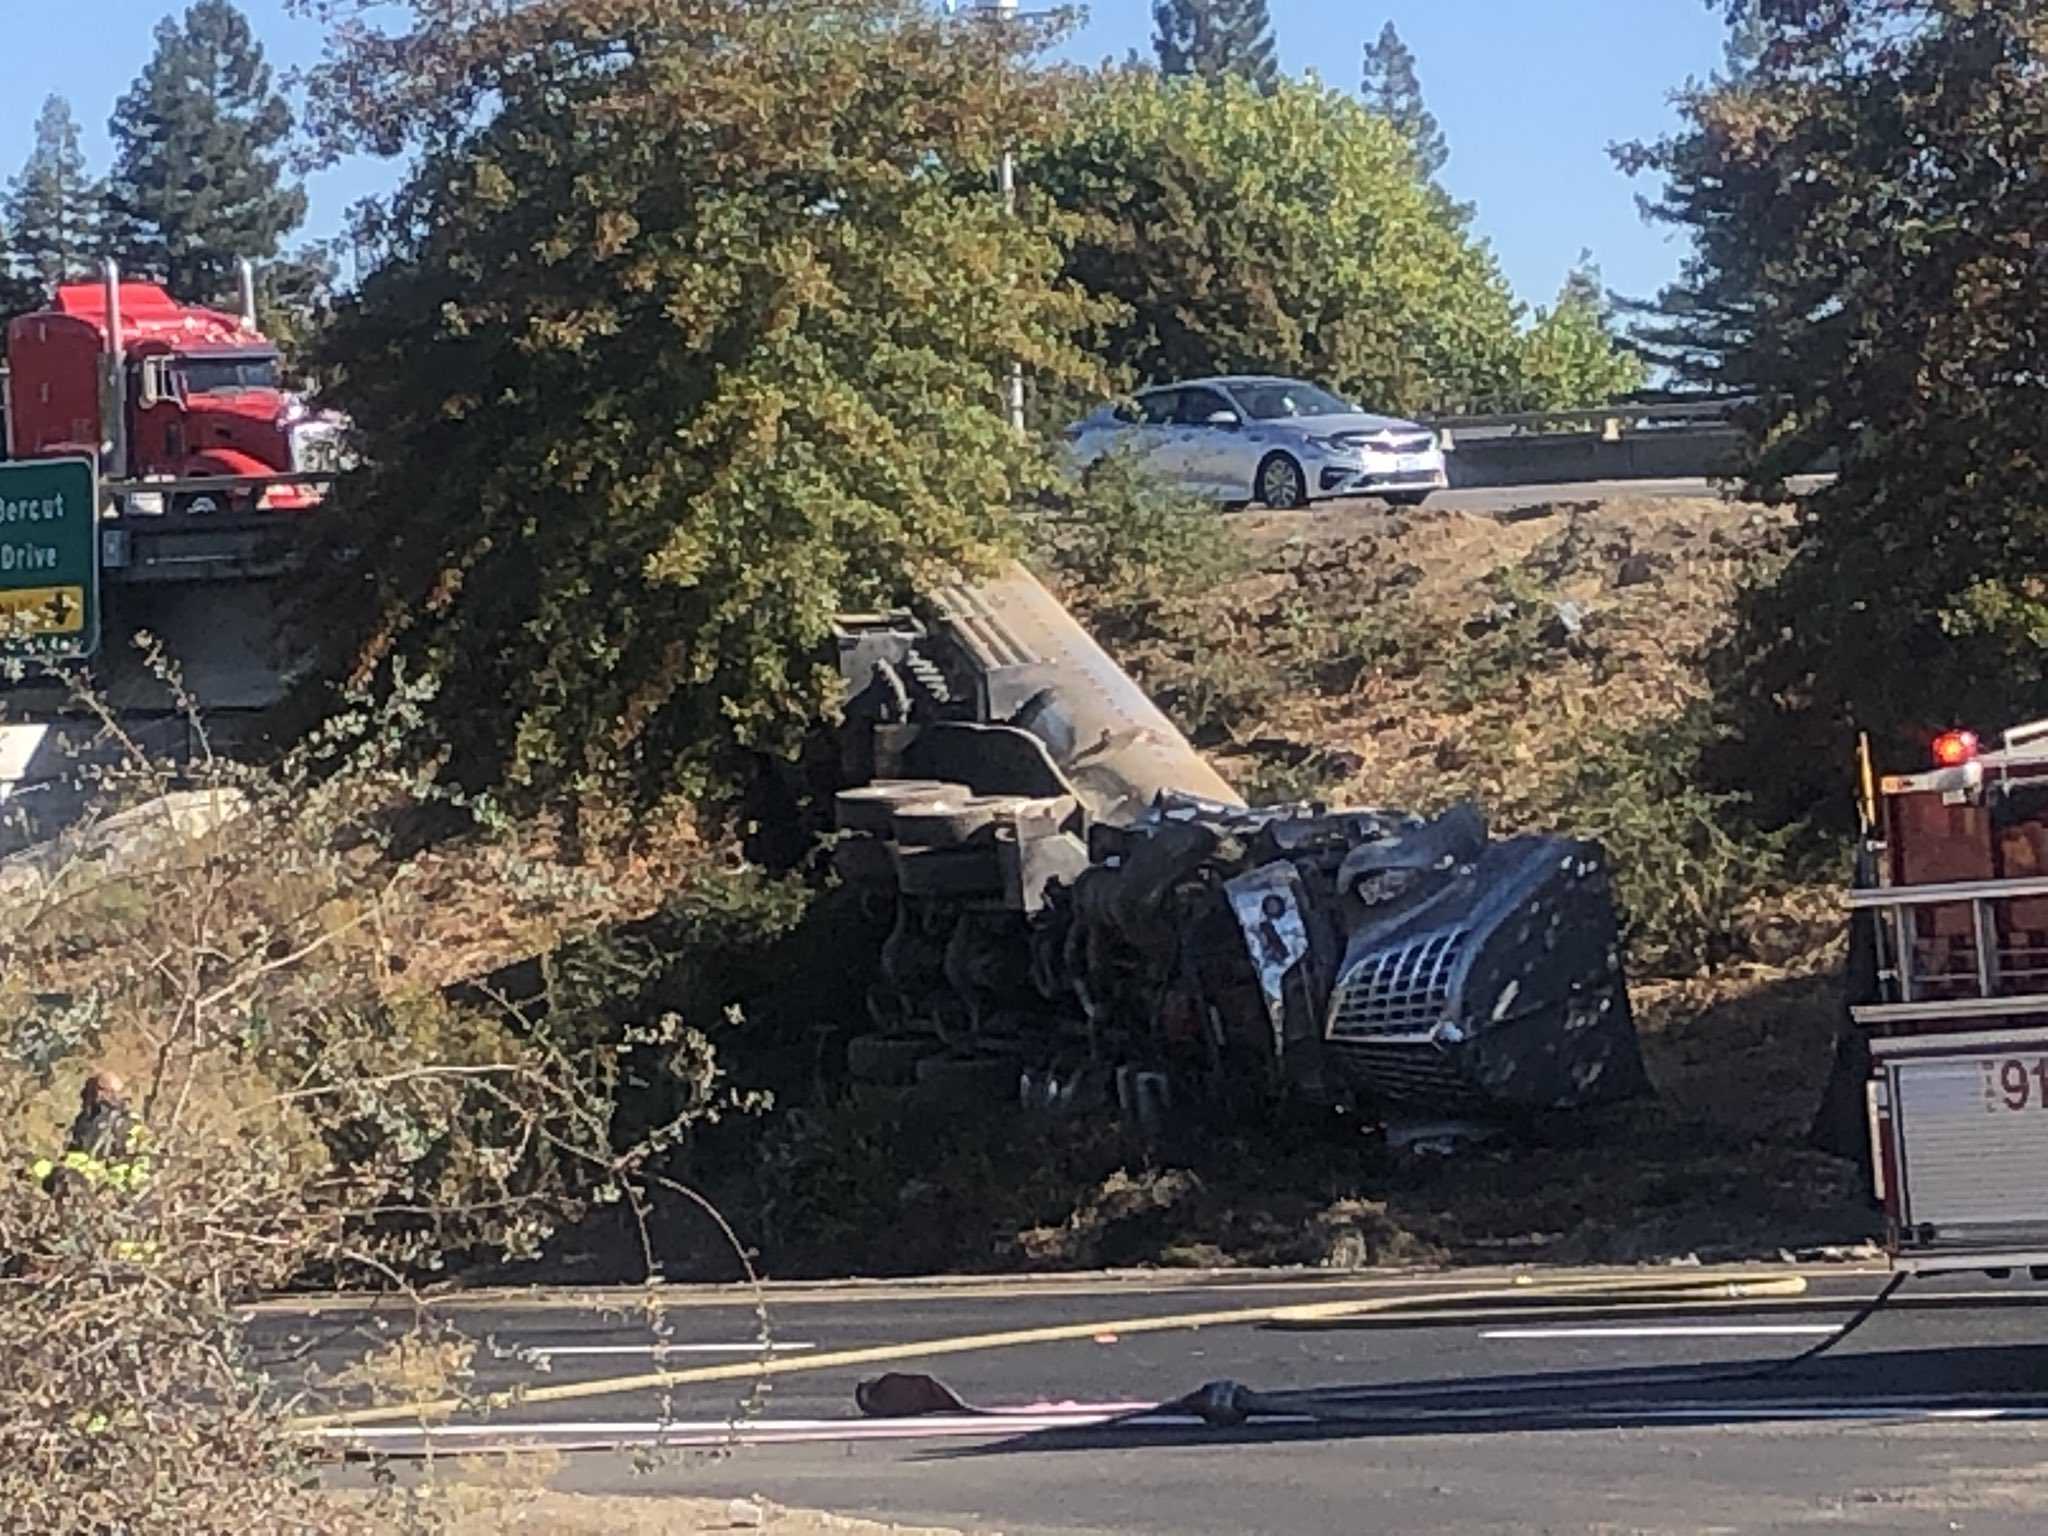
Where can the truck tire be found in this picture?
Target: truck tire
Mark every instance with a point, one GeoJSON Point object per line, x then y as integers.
{"type": "Point", "coordinates": [872, 807]}
{"type": "Point", "coordinates": [951, 825]}
{"type": "Point", "coordinates": [865, 861]}
{"type": "Point", "coordinates": [970, 1082]}
{"type": "Point", "coordinates": [888, 1059]}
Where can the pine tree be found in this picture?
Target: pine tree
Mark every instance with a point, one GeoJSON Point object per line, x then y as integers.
{"type": "Point", "coordinates": [199, 179]}
{"type": "Point", "coordinates": [19, 293]}
{"type": "Point", "coordinates": [54, 208]}
{"type": "Point", "coordinates": [1695, 325]}
{"type": "Point", "coordinates": [1744, 50]}
{"type": "Point", "coordinates": [1215, 37]}
{"type": "Point", "coordinates": [1392, 88]}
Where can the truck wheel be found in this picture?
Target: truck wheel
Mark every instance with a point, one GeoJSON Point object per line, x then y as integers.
{"type": "Point", "coordinates": [970, 1082]}
{"type": "Point", "coordinates": [888, 1059]}
{"type": "Point", "coordinates": [871, 807]}
{"type": "Point", "coordinates": [952, 825]}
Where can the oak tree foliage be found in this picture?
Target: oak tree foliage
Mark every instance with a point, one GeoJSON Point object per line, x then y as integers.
{"type": "Point", "coordinates": [688, 337]}
{"type": "Point", "coordinates": [1288, 231]}
{"type": "Point", "coordinates": [1571, 355]}
{"type": "Point", "coordinates": [1868, 202]}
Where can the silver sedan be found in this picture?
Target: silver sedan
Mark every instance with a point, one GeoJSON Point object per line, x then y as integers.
{"type": "Point", "coordinates": [1279, 441]}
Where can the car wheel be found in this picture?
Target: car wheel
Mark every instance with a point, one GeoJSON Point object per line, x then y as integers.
{"type": "Point", "coordinates": [1405, 498]}
{"type": "Point", "coordinates": [1280, 484]}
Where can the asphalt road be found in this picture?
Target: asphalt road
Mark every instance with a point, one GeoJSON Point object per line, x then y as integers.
{"type": "Point", "coordinates": [1488, 1417]}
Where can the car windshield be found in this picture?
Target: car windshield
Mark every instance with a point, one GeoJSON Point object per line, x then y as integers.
{"type": "Point", "coordinates": [229, 375]}
{"type": "Point", "coordinates": [1270, 400]}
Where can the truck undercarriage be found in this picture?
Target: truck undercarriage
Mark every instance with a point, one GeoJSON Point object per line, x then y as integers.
{"type": "Point", "coordinates": [1083, 912]}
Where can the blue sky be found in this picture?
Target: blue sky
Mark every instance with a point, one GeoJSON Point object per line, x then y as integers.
{"type": "Point", "coordinates": [1530, 94]}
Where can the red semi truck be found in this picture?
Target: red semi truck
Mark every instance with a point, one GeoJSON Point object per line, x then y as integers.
{"type": "Point", "coordinates": [1948, 1002]}
{"type": "Point", "coordinates": [155, 389]}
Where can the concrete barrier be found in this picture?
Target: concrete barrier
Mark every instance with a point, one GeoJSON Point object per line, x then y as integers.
{"type": "Point", "coordinates": [1554, 458]}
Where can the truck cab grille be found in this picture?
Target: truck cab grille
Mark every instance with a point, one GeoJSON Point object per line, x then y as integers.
{"type": "Point", "coordinates": [1398, 993]}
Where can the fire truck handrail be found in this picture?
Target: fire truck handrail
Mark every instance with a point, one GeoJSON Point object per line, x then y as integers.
{"type": "Point", "coordinates": [1948, 1008]}
{"type": "Point", "coordinates": [1905, 1047]}
{"type": "Point", "coordinates": [1946, 895]}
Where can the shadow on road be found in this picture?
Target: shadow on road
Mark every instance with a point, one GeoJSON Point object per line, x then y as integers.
{"type": "Point", "coordinates": [1975, 1380]}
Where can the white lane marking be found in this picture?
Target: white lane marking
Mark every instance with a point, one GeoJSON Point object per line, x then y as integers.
{"type": "Point", "coordinates": [1671, 1331]}
{"type": "Point", "coordinates": [1705, 1413]}
{"type": "Point", "coordinates": [550, 1351]}
{"type": "Point", "coordinates": [768, 1431]}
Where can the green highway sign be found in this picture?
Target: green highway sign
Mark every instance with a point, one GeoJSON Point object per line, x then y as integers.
{"type": "Point", "coordinates": [49, 558]}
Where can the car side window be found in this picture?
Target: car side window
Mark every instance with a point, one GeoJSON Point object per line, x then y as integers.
{"type": "Point", "coordinates": [1198, 405]}
{"type": "Point", "coordinates": [1157, 410]}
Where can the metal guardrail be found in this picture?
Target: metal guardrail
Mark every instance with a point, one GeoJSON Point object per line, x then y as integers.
{"type": "Point", "coordinates": [1609, 422]}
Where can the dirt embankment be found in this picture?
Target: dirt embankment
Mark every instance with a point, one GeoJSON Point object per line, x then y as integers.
{"type": "Point", "coordinates": [1436, 654]}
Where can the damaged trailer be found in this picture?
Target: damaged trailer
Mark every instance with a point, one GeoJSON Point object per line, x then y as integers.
{"type": "Point", "coordinates": [1083, 913]}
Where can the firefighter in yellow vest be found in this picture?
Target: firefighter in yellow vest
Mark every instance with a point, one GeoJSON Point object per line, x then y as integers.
{"type": "Point", "coordinates": [107, 1148]}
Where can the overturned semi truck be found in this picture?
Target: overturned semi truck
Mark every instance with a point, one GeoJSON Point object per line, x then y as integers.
{"type": "Point", "coordinates": [1084, 912]}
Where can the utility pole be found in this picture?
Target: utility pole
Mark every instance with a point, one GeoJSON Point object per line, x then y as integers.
{"type": "Point", "coordinates": [1006, 183]}
{"type": "Point", "coordinates": [1008, 180]}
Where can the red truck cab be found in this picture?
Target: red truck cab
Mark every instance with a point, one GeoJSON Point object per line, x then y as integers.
{"type": "Point", "coordinates": [204, 395]}
{"type": "Point", "coordinates": [1949, 990]}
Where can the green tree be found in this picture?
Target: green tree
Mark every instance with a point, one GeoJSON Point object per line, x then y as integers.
{"type": "Point", "coordinates": [1212, 38]}
{"type": "Point", "coordinates": [1694, 324]}
{"type": "Point", "coordinates": [688, 337]}
{"type": "Point", "coordinates": [19, 292]}
{"type": "Point", "coordinates": [53, 209]}
{"type": "Point", "coordinates": [1287, 230]}
{"type": "Point", "coordinates": [295, 296]}
{"type": "Point", "coordinates": [1743, 53]}
{"type": "Point", "coordinates": [1571, 355]}
{"type": "Point", "coordinates": [1874, 190]}
{"type": "Point", "coordinates": [1392, 88]}
{"type": "Point", "coordinates": [199, 171]}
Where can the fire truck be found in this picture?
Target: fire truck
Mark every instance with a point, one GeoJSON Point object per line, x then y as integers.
{"type": "Point", "coordinates": [158, 390]}
{"type": "Point", "coordinates": [1948, 1001]}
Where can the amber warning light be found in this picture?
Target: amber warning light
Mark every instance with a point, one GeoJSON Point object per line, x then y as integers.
{"type": "Point", "coordinates": [1952, 749]}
